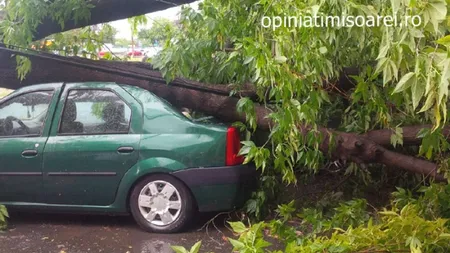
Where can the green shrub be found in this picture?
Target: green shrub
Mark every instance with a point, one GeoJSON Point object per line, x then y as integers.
{"type": "Point", "coordinates": [414, 222]}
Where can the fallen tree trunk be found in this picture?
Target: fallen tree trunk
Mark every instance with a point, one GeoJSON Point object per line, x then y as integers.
{"type": "Point", "coordinates": [210, 99]}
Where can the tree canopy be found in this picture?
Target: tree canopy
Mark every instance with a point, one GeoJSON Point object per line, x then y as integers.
{"type": "Point", "coordinates": [44, 18]}
{"type": "Point", "coordinates": [161, 30]}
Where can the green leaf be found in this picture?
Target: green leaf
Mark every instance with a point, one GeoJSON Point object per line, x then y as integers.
{"type": "Point", "coordinates": [417, 90]}
{"type": "Point", "coordinates": [238, 227]}
{"type": "Point", "coordinates": [383, 52]}
{"type": "Point", "coordinates": [248, 143]}
{"type": "Point", "coordinates": [443, 85]}
{"type": "Point", "coordinates": [233, 55]}
{"type": "Point", "coordinates": [395, 6]}
{"type": "Point", "coordinates": [405, 82]}
{"type": "Point", "coordinates": [179, 249]}
{"type": "Point", "coordinates": [429, 102]}
{"type": "Point", "coordinates": [387, 73]}
{"type": "Point", "coordinates": [380, 65]}
{"type": "Point", "coordinates": [196, 247]}
{"type": "Point", "coordinates": [439, 10]}
{"type": "Point", "coordinates": [261, 243]}
{"type": "Point", "coordinates": [248, 60]}
{"type": "Point", "coordinates": [323, 50]}
{"type": "Point", "coordinates": [445, 236]}
{"type": "Point", "coordinates": [444, 40]}
{"type": "Point", "coordinates": [389, 213]}
{"type": "Point", "coordinates": [280, 59]}
{"type": "Point", "coordinates": [237, 245]}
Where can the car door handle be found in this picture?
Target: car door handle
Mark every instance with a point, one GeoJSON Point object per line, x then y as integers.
{"type": "Point", "coordinates": [29, 153]}
{"type": "Point", "coordinates": [125, 150]}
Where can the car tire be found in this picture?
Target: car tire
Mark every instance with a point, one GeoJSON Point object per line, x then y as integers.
{"type": "Point", "coordinates": [152, 208]}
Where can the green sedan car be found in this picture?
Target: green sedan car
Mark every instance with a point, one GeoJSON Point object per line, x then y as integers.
{"type": "Point", "coordinates": [116, 149]}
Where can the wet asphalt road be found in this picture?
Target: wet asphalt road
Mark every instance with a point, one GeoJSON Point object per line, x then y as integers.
{"type": "Point", "coordinates": [30, 233]}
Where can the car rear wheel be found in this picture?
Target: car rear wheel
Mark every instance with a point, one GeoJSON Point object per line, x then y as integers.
{"type": "Point", "coordinates": [162, 204]}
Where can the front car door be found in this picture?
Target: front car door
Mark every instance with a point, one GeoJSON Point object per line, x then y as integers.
{"type": "Point", "coordinates": [25, 119]}
{"type": "Point", "coordinates": [93, 146]}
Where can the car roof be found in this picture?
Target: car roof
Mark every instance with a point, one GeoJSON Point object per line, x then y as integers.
{"type": "Point", "coordinates": [43, 86]}
{"type": "Point", "coordinates": [52, 86]}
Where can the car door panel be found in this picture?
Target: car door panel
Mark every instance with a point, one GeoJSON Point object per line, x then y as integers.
{"type": "Point", "coordinates": [86, 170]}
{"type": "Point", "coordinates": [85, 158]}
{"type": "Point", "coordinates": [21, 150]}
{"type": "Point", "coordinates": [21, 173]}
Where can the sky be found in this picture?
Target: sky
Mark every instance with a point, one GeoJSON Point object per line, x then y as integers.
{"type": "Point", "coordinates": [123, 27]}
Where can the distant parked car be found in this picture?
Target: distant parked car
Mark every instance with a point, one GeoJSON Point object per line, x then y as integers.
{"type": "Point", "coordinates": [135, 53]}
{"type": "Point", "coordinates": [101, 54]}
{"type": "Point", "coordinates": [110, 148]}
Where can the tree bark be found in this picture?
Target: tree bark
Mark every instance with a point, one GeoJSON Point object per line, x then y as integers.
{"type": "Point", "coordinates": [106, 11]}
{"type": "Point", "coordinates": [382, 136]}
{"type": "Point", "coordinates": [210, 99]}
{"type": "Point", "coordinates": [362, 150]}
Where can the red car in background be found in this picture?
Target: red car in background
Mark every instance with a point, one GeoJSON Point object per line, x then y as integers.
{"type": "Point", "coordinates": [101, 54]}
{"type": "Point", "coordinates": [135, 53]}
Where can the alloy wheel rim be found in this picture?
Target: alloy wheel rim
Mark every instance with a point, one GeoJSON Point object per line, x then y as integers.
{"type": "Point", "coordinates": [160, 203]}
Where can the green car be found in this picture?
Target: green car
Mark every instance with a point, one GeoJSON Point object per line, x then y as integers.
{"type": "Point", "coordinates": [116, 149]}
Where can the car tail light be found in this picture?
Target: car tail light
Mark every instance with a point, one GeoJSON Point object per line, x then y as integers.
{"type": "Point", "coordinates": [233, 147]}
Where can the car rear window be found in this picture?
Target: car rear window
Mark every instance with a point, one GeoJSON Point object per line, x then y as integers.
{"type": "Point", "coordinates": [145, 96]}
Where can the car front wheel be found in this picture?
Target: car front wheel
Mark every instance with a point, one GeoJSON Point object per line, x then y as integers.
{"type": "Point", "coordinates": [161, 204]}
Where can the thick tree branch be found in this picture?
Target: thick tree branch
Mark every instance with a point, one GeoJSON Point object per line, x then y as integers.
{"type": "Point", "coordinates": [362, 150]}
{"type": "Point", "coordinates": [106, 11]}
{"type": "Point", "coordinates": [383, 136]}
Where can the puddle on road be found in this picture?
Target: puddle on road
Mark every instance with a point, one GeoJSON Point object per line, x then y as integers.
{"type": "Point", "coordinates": [154, 246]}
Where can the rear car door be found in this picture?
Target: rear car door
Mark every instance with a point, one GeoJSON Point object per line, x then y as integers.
{"type": "Point", "coordinates": [25, 121]}
{"type": "Point", "coordinates": [95, 143]}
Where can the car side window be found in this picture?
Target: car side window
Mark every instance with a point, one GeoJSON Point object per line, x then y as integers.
{"type": "Point", "coordinates": [94, 112]}
{"type": "Point", "coordinates": [25, 114]}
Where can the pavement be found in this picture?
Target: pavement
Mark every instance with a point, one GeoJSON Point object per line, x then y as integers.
{"type": "Point", "coordinates": [63, 233]}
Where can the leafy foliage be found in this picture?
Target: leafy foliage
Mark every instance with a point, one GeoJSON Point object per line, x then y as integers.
{"type": "Point", "coordinates": [161, 30]}
{"type": "Point", "coordinates": [403, 70]}
{"type": "Point", "coordinates": [260, 201]}
{"type": "Point", "coordinates": [23, 18]}
{"type": "Point", "coordinates": [84, 42]}
{"type": "Point", "coordinates": [135, 22]}
{"type": "Point", "coordinates": [250, 239]}
{"type": "Point", "coordinates": [411, 224]}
